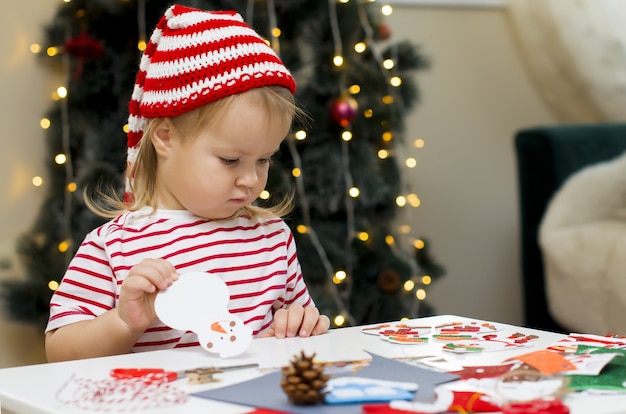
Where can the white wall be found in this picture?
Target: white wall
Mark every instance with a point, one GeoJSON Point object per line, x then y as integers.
{"type": "Point", "coordinates": [475, 97]}
{"type": "Point", "coordinates": [25, 90]}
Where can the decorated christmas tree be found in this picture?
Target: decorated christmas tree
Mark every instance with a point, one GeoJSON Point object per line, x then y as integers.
{"type": "Point", "coordinates": [345, 165]}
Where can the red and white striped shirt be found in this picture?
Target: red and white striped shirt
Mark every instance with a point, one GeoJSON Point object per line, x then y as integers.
{"type": "Point", "coordinates": [256, 258]}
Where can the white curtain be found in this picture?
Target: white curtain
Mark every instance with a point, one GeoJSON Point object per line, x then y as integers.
{"type": "Point", "coordinates": [575, 51]}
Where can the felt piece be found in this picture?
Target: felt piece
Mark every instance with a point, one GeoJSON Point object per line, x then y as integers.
{"type": "Point", "coordinates": [546, 362]}
{"type": "Point", "coordinates": [265, 392]}
{"type": "Point", "coordinates": [612, 377]}
{"type": "Point", "coordinates": [483, 371]}
{"type": "Point", "coordinates": [347, 390]}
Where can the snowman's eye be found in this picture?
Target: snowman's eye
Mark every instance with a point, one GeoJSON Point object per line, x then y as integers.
{"type": "Point", "coordinates": [233, 338]}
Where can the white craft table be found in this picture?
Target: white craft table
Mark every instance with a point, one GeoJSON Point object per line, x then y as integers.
{"type": "Point", "coordinates": [33, 389]}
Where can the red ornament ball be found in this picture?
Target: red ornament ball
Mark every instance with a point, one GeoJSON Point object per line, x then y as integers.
{"type": "Point", "coordinates": [84, 47]}
{"type": "Point", "coordinates": [384, 32]}
{"type": "Point", "coordinates": [343, 110]}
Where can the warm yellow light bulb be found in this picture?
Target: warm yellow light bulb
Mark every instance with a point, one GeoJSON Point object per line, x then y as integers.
{"type": "Point", "coordinates": [44, 123]}
{"type": "Point", "coordinates": [300, 135]}
{"type": "Point", "coordinates": [341, 275]}
{"type": "Point", "coordinates": [395, 81]}
{"type": "Point", "coordinates": [363, 236]}
{"type": "Point", "coordinates": [410, 162]}
{"type": "Point", "coordinates": [383, 154]}
{"type": "Point", "coordinates": [401, 201]}
{"type": "Point", "coordinates": [339, 320]}
{"type": "Point", "coordinates": [265, 195]}
{"type": "Point", "coordinates": [354, 89]}
{"type": "Point", "coordinates": [387, 136]}
{"type": "Point", "coordinates": [141, 45]}
{"type": "Point", "coordinates": [418, 143]}
{"type": "Point", "coordinates": [408, 285]}
{"type": "Point", "coordinates": [386, 10]}
{"type": "Point", "coordinates": [71, 187]}
{"type": "Point", "coordinates": [64, 246]}
{"type": "Point", "coordinates": [37, 181]}
{"type": "Point", "coordinates": [60, 159]}
{"type": "Point", "coordinates": [35, 48]}
{"type": "Point", "coordinates": [302, 229]}
{"type": "Point", "coordinates": [53, 285]}
{"type": "Point", "coordinates": [354, 192]}
{"type": "Point", "coordinates": [426, 279]}
{"type": "Point", "coordinates": [390, 240]}
{"type": "Point", "coordinates": [413, 200]}
{"type": "Point", "coordinates": [338, 60]}
{"type": "Point", "coordinates": [419, 244]}
{"type": "Point", "coordinates": [276, 32]}
{"type": "Point", "coordinates": [296, 172]}
{"type": "Point", "coordinates": [360, 47]}
{"type": "Point", "coordinates": [420, 294]}
{"type": "Point", "coordinates": [388, 64]}
{"type": "Point", "coordinates": [346, 135]}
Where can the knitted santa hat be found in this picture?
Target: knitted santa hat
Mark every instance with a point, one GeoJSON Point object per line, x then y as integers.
{"type": "Point", "coordinates": [195, 57]}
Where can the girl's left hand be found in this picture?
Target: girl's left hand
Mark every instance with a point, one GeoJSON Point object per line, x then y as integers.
{"type": "Point", "coordinates": [297, 321]}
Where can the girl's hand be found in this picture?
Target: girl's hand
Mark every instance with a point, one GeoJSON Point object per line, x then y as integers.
{"type": "Point", "coordinates": [297, 320]}
{"type": "Point", "coordinates": [136, 302]}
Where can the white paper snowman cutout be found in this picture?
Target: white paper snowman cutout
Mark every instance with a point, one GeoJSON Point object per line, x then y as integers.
{"type": "Point", "coordinates": [198, 302]}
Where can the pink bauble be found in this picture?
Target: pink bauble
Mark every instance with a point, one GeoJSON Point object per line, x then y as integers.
{"type": "Point", "coordinates": [343, 110]}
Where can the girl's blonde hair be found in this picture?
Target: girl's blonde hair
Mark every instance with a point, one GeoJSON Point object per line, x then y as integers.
{"type": "Point", "coordinates": [277, 102]}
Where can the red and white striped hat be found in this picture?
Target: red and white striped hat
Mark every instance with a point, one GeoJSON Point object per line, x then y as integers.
{"type": "Point", "coordinates": [195, 57]}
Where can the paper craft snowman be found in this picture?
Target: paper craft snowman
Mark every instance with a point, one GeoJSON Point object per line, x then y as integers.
{"type": "Point", "coordinates": [198, 302]}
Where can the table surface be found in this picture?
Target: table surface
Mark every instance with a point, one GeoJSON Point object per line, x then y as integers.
{"type": "Point", "coordinates": [34, 389]}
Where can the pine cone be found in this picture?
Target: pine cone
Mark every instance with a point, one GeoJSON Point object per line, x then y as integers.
{"type": "Point", "coordinates": [304, 380]}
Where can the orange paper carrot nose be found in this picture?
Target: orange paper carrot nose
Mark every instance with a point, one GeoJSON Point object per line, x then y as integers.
{"type": "Point", "coordinates": [215, 326]}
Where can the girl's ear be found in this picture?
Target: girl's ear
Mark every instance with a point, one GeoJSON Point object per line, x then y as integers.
{"type": "Point", "coordinates": [161, 137]}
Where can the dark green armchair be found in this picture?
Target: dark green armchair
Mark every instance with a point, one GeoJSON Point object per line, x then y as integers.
{"type": "Point", "coordinates": [546, 157]}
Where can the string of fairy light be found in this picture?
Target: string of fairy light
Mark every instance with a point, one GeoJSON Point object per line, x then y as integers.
{"type": "Point", "coordinates": [336, 277]}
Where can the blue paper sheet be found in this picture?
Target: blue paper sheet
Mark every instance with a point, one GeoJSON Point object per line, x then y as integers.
{"type": "Point", "coordinates": [265, 391]}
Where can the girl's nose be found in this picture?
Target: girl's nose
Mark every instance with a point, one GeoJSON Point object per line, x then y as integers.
{"type": "Point", "coordinates": [248, 178]}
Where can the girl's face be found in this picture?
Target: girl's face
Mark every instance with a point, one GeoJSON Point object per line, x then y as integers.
{"type": "Point", "coordinates": [224, 167]}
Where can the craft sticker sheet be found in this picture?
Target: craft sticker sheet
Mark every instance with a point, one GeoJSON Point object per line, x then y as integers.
{"type": "Point", "coordinates": [570, 343]}
{"type": "Point", "coordinates": [198, 302]}
{"type": "Point", "coordinates": [591, 360]}
{"type": "Point", "coordinates": [404, 333]}
{"type": "Point", "coordinates": [464, 330]}
{"type": "Point", "coordinates": [396, 328]}
{"type": "Point", "coordinates": [488, 342]}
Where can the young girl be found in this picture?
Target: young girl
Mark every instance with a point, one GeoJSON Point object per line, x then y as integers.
{"type": "Point", "coordinates": [211, 105]}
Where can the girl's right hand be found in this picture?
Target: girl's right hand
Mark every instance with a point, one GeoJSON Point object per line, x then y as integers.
{"type": "Point", "coordinates": [139, 289]}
